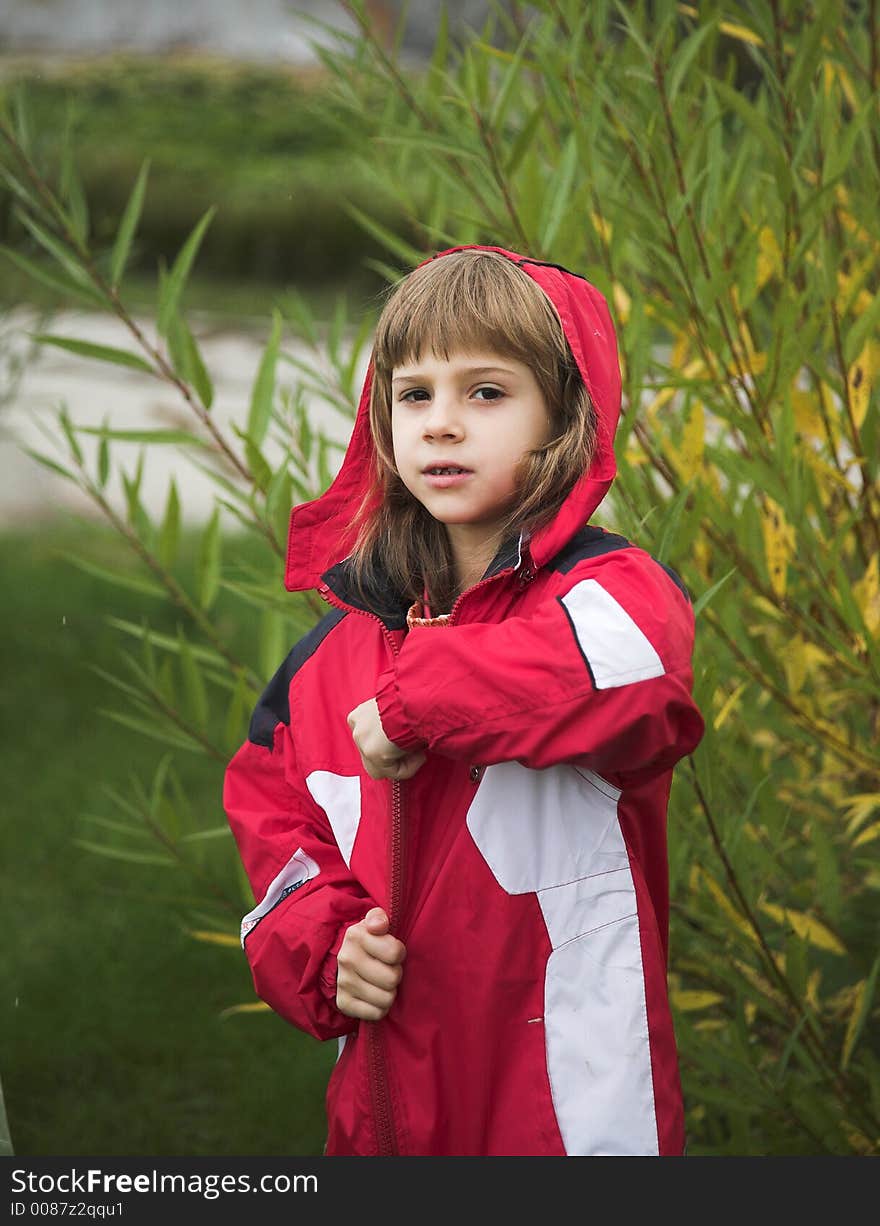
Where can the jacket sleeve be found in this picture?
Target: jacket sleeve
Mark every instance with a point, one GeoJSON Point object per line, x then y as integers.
{"type": "Point", "coordinates": [599, 673]}
{"type": "Point", "coordinates": [305, 895]}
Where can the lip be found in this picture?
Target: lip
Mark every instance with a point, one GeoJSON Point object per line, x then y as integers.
{"type": "Point", "coordinates": [442, 482]}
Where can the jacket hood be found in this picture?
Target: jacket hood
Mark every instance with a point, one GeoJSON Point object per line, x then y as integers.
{"type": "Point", "coordinates": [321, 531]}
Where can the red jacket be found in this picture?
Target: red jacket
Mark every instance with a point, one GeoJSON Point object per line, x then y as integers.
{"type": "Point", "coordinates": [524, 865]}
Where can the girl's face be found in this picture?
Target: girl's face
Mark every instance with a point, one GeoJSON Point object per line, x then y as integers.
{"type": "Point", "coordinates": [478, 412]}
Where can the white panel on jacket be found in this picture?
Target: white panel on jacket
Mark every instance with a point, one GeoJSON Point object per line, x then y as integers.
{"type": "Point", "coordinates": [540, 828]}
{"type": "Point", "coordinates": [340, 798]}
{"type": "Point", "coordinates": [299, 869]}
{"type": "Point", "coordinates": [617, 650]}
{"type": "Point", "coordinates": [556, 832]}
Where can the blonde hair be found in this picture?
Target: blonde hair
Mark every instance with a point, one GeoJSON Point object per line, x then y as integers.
{"type": "Point", "coordinates": [466, 301]}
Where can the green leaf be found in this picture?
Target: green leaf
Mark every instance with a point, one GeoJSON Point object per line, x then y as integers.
{"type": "Point", "coordinates": [174, 283]}
{"type": "Point", "coordinates": [187, 360]}
{"type": "Point", "coordinates": [263, 392]}
{"type": "Point", "coordinates": [176, 739]}
{"type": "Point", "coordinates": [685, 56]}
{"type": "Point", "coordinates": [118, 578]}
{"type": "Point", "coordinates": [272, 641]}
{"type": "Point", "coordinates": [860, 1015]}
{"type": "Point", "coordinates": [55, 247]}
{"type": "Point", "coordinates": [52, 465]}
{"type": "Point", "coordinates": [236, 716]}
{"type": "Point", "coordinates": [524, 140]}
{"type": "Point", "coordinates": [169, 533]}
{"type": "Point", "coordinates": [104, 353]}
{"type": "Point", "coordinates": [194, 684]}
{"type": "Point", "coordinates": [511, 78]}
{"type": "Point", "coordinates": [176, 438]}
{"type": "Point", "coordinates": [118, 853]}
{"type": "Point", "coordinates": [208, 562]}
{"type": "Point", "coordinates": [392, 242]}
{"type": "Point", "coordinates": [261, 470]}
{"type": "Point", "coordinates": [58, 283]}
{"type": "Point", "coordinates": [128, 225]}
{"type": "Point", "coordinates": [71, 192]}
{"type": "Point", "coordinates": [707, 596]}
{"type": "Point", "coordinates": [103, 458]}
{"type": "Point", "coordinates": [558, 197]}
{"type": "Point", "coordinates": [67, 427]}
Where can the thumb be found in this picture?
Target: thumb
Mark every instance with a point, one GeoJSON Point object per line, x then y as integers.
{"type": "Point", "coordinates": [376, 921]}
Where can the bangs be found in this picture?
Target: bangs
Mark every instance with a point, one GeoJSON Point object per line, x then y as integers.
{"type": "Point", "coordinates": [468, 302]}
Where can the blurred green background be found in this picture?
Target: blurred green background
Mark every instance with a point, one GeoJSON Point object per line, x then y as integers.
{"type": "Point", "coordinates": [114, 1038]}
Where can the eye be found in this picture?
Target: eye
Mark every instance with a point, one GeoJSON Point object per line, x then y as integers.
{"type": "Point", "coordinates": [412, 394]}
{"type": "Point", "coordinates": [488, 393]}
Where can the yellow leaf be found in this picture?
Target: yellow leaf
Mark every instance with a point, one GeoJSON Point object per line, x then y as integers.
{"type": "Point", "coordinates": [779, 543]}
{"type": "Point", "coordinates": [868, 835]}
{"type": "Point", "coordinates": [710, 1023]}
{"type": "Point", "coordinates": [663, 397]}
{"type": "Point", "coordinates": [725, 904]}
{"type": "Point", "coordinates": [622, 301]}
{"type": "Point", "coordinates": [751, 1011]}
{"type": "Point", "coordinates": [859, 380]}
{"type": "Point", "coordinates": [689, 456]}
{"type": "Point", "coordinates": [257, 1006]}
{"type": "Point", "coordinates": [759, 982]}
{"type": "Point", "coordinates": [602, 227]}
{"type": "Point", "coordinates": [807, 416]}
{"type": "Point", "coordinates": [806, 927]}
{"type": "Point", "coordinates": [729, 704]}
{"type": "Point", "coordinates": [689, 1001]}
{"type": "Point", "coordinates": [742, 33]}
{"type": "Point", "coordinates": [800, 661]}
{"type": "Point", "coordinates": [769, 256]}
{"type": "Point", "coordinates": [216, 938]}
{"type": "Point", "coordinates": [847, 86]}
{"type": "Point", "coordinates": [853, 1023]}
{"type": "Point", "coordinates": [867, 595]}
{"type": "Point", "coordinates": [860, 807]}
{"type": "Point", "coordinates": [812, 992]}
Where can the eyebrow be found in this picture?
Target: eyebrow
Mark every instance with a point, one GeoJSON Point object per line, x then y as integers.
{"type": "Point", "coordinates": [473, 371]}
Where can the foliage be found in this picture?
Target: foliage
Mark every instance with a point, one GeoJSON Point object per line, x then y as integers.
{"type": "Point", "coordinates": [718, 178]}
{"type": "Point", "coordinates": [264, 143]}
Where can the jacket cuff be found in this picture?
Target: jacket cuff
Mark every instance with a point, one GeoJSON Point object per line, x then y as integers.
{"type": "Point", "coordinates": [327, 976]}
{"type": "Point", "coordinates": [395, 724]}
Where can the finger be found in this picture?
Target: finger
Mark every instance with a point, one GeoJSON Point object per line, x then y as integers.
{"type": "Point", "coordinates": [408, 766]}
{"type": "Point", "coordinates": [386, 949]}
{"type": "Point", "coordinates": [376, 920]}
{"type": "Point", "coordinates": [352, 1007]}
{"type": "Point", "coordinates": [367, 993]}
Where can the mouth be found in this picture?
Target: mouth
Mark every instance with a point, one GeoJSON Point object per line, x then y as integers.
{"type": "Point", "coordinates": [439, 476]}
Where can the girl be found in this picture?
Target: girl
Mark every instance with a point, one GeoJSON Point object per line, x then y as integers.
{"type": "Point", "coordinates": [452, 801]}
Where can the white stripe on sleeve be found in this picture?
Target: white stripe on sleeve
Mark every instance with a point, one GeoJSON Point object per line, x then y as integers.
{"type": "Point", "coordinates": [615, 648]}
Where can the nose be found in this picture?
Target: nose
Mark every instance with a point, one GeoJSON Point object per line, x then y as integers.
{"type": "Point", "coordinates": [442, 420]}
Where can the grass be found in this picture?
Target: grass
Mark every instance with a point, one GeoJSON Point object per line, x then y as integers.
{"type": "Point", "coordinates": [111, 1035]}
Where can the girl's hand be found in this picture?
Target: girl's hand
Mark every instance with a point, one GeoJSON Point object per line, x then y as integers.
{"type": "Point", "coordinates": [382, 759]}
{"type": "Point", "coordinates": [368, 968]}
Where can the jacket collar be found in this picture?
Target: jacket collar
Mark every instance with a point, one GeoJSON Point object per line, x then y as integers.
{"type": "Point", "coordinates": [390, 605]}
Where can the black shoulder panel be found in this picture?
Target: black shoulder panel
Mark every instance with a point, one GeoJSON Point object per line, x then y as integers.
{"type": "Point", "coordinates": [676, 579]}
{"type": "Point", "coordinates": [589, 542]}
{"type": "Point", "coordinates": [592, 542]}
{"type": "Point", "coordinates": [274, 705]}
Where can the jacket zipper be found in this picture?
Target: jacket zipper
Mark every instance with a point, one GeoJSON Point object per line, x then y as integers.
{"type": "Point", "coordinates": [380, 1087]}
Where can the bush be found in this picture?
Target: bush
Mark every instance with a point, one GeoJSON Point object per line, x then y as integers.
{"type": "Point", "coordinates": [720, 182]}
{"type": "Point", "coordinates": [266, 145]}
